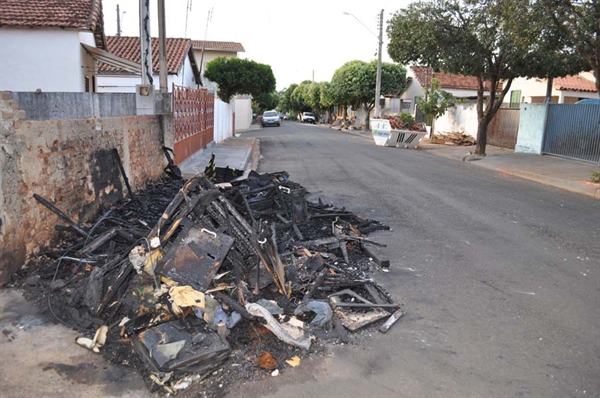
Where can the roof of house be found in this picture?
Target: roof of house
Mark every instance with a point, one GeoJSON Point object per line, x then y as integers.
{"type": "Point", "coordinates": [64, 14]}
{"type": "Point", "coordinates": [448, 80]}
{"type": "Point", "coordinates": [228, 46]}
{"type": "Point", "coordinates": [574, 83]}
{"type": "Point", "coordinates": [129, 49]}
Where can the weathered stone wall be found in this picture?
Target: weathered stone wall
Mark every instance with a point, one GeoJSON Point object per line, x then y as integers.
{"type": "Point", "coordinates": [71, 164]}
{"type": "Point", "coordinates": [62, 106]}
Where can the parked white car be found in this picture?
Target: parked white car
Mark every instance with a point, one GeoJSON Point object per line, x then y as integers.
{"type": "Point", "coordinates": [308, 117]}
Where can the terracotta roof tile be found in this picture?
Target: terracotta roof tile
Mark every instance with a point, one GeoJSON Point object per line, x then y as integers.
{"type": "Point", "coordinates": [574, 83]}
{"type": "Point", "coordinates": [129, 48]}
{"type": "Point", "coordinates": [218, 45]}
{"type": "Point", "coordinates": [448, 80]}
{"type": "Point", "coordinates": [75, 14]}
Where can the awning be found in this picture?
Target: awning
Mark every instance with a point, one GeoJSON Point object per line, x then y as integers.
{"type": "Point", "coordinates": [113, 60]}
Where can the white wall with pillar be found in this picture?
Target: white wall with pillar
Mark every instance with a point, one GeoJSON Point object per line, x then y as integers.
{"type": "Point", "coordinates": [243, 112]}
{"type": "Point", "coordinates": [223, 126]}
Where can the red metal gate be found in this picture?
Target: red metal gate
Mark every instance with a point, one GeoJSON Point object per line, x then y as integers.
{"type": "Point", "coordinates": [193, 120]}
{"type": "Point", "coordinates": [504, 127]}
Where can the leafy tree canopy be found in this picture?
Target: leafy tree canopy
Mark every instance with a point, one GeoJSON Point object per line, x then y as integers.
{"type": "Point", "coordinates": [493, 40]}
{"type": "Point", "coordinates": [354, 82]}
{"type": "Point", "coordinates": [266, 101]}
{"type": "Point", "coordinates": [579, 22]}
{"type": "Point", "coordinates": [240, 76]}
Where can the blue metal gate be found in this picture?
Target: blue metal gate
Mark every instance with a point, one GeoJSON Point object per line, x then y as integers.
{"type": "Point", "coordinates": [573, 131]}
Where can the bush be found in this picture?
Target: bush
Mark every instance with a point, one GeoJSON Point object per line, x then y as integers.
{"type": "Point", "coordinates": [407, 120]}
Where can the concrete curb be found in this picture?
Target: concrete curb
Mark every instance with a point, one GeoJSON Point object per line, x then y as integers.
{"type": "Point", "coordinates": [248, 155]}
{"type": "Point", "coordinates": [580, 187]}
{"type": "Point", "coordinates": [577, 187]}
{"type": "Point", "coordinates": [356, 133]}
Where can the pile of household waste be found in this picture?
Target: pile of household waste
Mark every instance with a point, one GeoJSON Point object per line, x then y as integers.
{"type": "Point", "coordinates": [191, 275]}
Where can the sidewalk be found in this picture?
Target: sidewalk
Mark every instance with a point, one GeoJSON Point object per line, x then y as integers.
{"type": "Point", "coordinates": [571, 175]}
{"type": "Point", "coordinates": [235, 152]}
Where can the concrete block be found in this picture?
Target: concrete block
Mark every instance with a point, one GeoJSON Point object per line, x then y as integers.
{"type": "Point", "coordinates": [20, 115]}
{"type": "Point", "coordinates": [13, 104]}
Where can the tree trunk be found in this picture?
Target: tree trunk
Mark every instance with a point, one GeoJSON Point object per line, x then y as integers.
{"type": "Point", "coordinates": [432, 132]}
{"type": "Point", "coordinates": [482, 127]}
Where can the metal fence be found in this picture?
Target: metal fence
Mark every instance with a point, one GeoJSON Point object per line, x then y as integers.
{"type": "Point", "coordinates": [193, 120]}
{"type": "Point", "coordinates": [573, 131]}
{"type": "Point", "coordinates": [503, 129]}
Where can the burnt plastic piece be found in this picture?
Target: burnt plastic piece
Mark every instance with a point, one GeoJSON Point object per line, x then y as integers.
{"type": "Point", "coordinates": [197, 257]}
{"type": "Point", "coordinates": [207, 353]}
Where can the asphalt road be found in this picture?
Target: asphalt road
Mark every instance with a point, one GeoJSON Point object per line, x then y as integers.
{"type": "Point", "coordinates": [500, 277]}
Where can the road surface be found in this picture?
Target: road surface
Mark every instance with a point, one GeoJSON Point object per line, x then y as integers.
{"type": "Point", "coordinates": [500, 277]}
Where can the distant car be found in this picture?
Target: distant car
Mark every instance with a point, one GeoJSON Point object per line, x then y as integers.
{"type": "Point", "coordinates": [308, 117]}
{"type": "Point", "coordinates": [589, 101]}
{"type": "Point", "coordinates": [271, 118]}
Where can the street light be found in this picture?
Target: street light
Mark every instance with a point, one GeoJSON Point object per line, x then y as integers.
{"type": "Point", "coordinates": [380, 43]}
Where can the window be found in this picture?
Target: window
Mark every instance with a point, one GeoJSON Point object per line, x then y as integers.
{"type": "Point", "coordinates": [515, 98]}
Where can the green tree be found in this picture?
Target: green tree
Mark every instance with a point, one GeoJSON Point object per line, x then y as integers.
{"type": "Point", "coordinates": [493, 40]}
{"type": "Point", "coordinates": [300, 97]}
{"type": "Point", "coordinates": [313, 97]}
{"type": "Point", "coordinates": [285, 103]}
{"type": "Point", "coordinates": [327, 100]}
{"type": "Point", "coordinates": [354, 83]}
{"type": "Point", "coordinates": [579, 22]}
{"type": "Point", "coordinates": [240, 76]}
{"type": "Point", "coordinates": [266, 101]}
{"type": "Point", "coordinates": [436, 103]}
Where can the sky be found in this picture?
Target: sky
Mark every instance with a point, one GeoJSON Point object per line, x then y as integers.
{"type": "Point", "coordinates": [296, 38]}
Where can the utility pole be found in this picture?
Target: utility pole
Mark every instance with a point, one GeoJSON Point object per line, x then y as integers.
{"type": "Point", "coordinates": [208, 18]}
{"type": "Point", "coordinates": [145, 43]}
{"type": "Point", "coordinates": [162, 47]}
{"type": "Point", "coordinates": [378, 81]}
{"type": "Point", "coordinates": [118, 21]}
{"type": "Point", "coordinates": [144, 92]}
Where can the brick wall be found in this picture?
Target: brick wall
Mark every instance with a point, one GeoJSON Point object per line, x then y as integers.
{"type": "Point", "coordinates": [70, 163]}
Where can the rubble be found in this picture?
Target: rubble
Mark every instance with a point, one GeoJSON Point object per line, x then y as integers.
{"type": "Point", "coordinates": [189, 276]}
{"type": "Point", "coordinates": [453, 139]}
{"type": "Point", "coordinates": [398, 123]}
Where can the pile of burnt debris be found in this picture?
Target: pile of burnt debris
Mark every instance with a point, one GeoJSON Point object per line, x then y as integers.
{"type": "Point", "coordinates": [244, 274]}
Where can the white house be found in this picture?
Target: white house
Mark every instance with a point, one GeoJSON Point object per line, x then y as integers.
{"type": "Point", "coordinates": [204, 52]}
{"type": "Point", "coordinates": [418, 77]}
{"type": "Point", "coordinates": [214, 49]}
{"type": "Point", "coordinates": [41, 44]}
{"type": "Point", "coordinates": [565, 90]}
{"type": "Point", "coordinates": [182, 69]}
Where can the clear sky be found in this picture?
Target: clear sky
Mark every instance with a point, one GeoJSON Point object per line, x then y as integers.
{"type": "Point", "coordinates": [296, 38]}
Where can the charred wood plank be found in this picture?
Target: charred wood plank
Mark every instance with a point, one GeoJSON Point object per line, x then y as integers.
{"type": "Point", "coordinates": [202, 200]}
{"type": "Point", "coordinates": [390, 322]}
{"type": "Point", "coordinates": [233, 304]}
{"type": "Point", "coordinates": [297, 231]}
{"type": "Point", "coordinates": [122, 170]}
{"type": "Point", "coordinates": [318, 281]}
{"type": "Point", "coordinates": [61, 214]}
{"type": "Point", "coordinates": [379, 260]}
{"type": "Point", "coordinates": [99, 241]}
{"type": "Point", "coordinates": [172, 207]}
{"type": "Point", "coordinates": [121, 278]}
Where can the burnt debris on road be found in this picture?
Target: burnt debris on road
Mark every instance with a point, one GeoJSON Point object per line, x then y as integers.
{"type": "Point", "coordinates": [245, 275]}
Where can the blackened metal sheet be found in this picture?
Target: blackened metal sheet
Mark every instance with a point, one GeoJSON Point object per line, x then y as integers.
{"type": "Point", "coordinates": [196, 258]}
